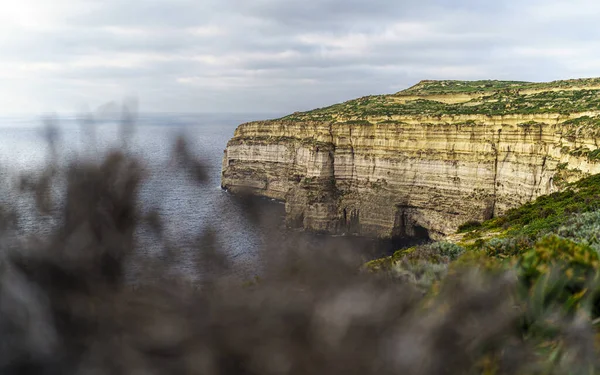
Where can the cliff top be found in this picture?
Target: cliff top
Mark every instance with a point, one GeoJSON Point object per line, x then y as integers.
{"type": "Point", "coordinates": [447, 97]}
{"type": "Point", "coordinates": [446, 87]}
{"type": "Point", "coordinates": [430, 87]}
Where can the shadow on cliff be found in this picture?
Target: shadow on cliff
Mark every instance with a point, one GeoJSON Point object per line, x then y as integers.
{"type": "Point", "coordinates": [66, 306]}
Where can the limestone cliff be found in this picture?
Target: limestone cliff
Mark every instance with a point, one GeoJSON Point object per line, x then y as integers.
{"type": "Point", "coordinates": [425, 159]}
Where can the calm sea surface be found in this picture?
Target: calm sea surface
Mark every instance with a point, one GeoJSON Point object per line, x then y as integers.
{"type": "Point", "coordinates": [188, 208]}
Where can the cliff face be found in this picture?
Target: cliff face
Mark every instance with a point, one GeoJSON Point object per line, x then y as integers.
{"type": "Point", "coordinates": [422, 161]}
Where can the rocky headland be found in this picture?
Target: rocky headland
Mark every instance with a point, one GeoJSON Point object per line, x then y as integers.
{"type": "Point", "coordinates": [422, 161]}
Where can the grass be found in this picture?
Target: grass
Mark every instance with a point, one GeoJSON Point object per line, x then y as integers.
{"type": "Point", "coordinates": [449, 86]}
{"type": "Point", "coordinates": [496, 98]}
{"type": "Point", "coordinates": [429, 87]}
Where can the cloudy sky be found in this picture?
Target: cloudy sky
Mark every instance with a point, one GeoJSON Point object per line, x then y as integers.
{"type": "Point", "coordinates": [278, 55]}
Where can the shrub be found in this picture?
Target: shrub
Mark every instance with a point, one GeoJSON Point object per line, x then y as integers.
{"type": "Point", "coordinates": [468, 226]}
{"type": "Point", "coordinates": [422, 265]}
{"type": "Point", "coordinates": [594, 155]}
{"type": "Point", "coordinates": [583, 228]}
{"type": "Point", "coordinates": [549, 212]}
{"type": "Point", "coordinates": [507, 247]}
{"type": "Point", "coordinates": [436, 252]}
{"type": "Point", "coordinates": [447, 249]}
{"type": "Point", "coordinates": [420, 273]}
{"type": "Point", "coordinates": [575, 261]}
{"type": "Point", "coordinates": [558, 275]}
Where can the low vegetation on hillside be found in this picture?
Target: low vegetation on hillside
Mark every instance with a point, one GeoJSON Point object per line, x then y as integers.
{"type": "Point", "coordinates": [551, 246]}
{"type": "Point", "coordinates": [543, 215]}
{"type": "Point", "coordinates": [433, 87]}
{"type": "Point", "coordinates": [489, 98]}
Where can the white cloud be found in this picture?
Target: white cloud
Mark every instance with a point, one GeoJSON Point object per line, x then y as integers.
{"type": "Point", "coordinates": [207, 31]}
{"type": "Point", "coordinates": [275, 55]}
{"type": "Point", "coordinates": [552, 11]}
{"type": "Point", "coordinates": [42, 15]}
{"type": "Point", "coordinates": [554, 52]}
{"type": "Point", "coordinates": [118, 60]}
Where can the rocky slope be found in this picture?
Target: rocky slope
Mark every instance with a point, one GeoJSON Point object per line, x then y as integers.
{"type": "Point", "coordinates": [421, 161]}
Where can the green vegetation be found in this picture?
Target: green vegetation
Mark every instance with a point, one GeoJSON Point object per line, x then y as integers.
{"type": "Point", "coordinates": [489, 98]}
{"type": "Point", "coordinates": [546, 213]}
{"type": "Point", "coordinates": [310, 142]}
{"type": "Point", "coordinates": [428, 87]}
{"type": "Point", "coordinates": [584, 229]}
{"type": "Point", "coordinates": [554, 241]}
{"type": "Point", "coordinates": [421, 265]}
{"type": "Point", "coordinates": [553, 251]}
{"type": "Point", "coordinates": [469, 226]}
{"type": "Point", "coordinates": [573, 214]}
{"type": "Point", "coordinates": [591, 155]}
{"type": "Point", "coordinates": [550, 248]}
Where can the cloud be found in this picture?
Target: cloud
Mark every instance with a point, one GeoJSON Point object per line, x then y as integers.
{"type": "Point", "coordinates": [276, 55]}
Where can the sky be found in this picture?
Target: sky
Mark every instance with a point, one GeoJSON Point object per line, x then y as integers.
{"type": "Point", "coordinates": [275, 55]}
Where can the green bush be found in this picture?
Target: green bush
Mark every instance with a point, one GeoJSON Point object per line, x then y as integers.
{"type": "Point", "coordinates": [507, 247]}
{"type": "Point", "coordinates": [583, 228]}
{"type": "Point", "coordinates": [421, 265]}
{"type": "Point", "coordinates": [558, 276]}
{"type": "Point", "coordinates": [547, 213]}
{"type": "Point", "coordinates": [594, 155]}
{"type": "Point", "coordinates": [435, 252]}
{"type": "Point", "coordinates": [420, 273]}
{"type": "Point", "coordinates": [469, 226]}
{"type": "Point", "coordinates": [577, 261]}
{"type": "Point", "coordinates": [447, 249]}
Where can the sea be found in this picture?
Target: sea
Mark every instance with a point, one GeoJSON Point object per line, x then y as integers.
{"type": "Point", "coordinates": [188, 209]}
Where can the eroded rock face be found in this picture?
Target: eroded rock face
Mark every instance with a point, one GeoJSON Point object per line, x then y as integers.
{"type": "Point", "coordinates": [404, 175]}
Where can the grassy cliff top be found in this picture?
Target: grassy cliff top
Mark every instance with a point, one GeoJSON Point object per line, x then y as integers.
{"type": "Point", "coordinates": [432, 87]}
{"type": "Point", "coordinates": [436, 98]}
{"type": "Point", "coordinates": [445, 87]}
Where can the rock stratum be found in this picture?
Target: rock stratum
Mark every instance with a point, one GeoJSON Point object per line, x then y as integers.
{"type": "Point", "coordinates": [422, 161]}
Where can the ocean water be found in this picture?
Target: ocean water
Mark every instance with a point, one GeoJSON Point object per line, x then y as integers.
{"type": "Point", "coordinates": [188, 209]}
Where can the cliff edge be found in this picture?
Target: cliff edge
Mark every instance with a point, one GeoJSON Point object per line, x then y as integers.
{"type": "Point", "coordinates": [422, 161]}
